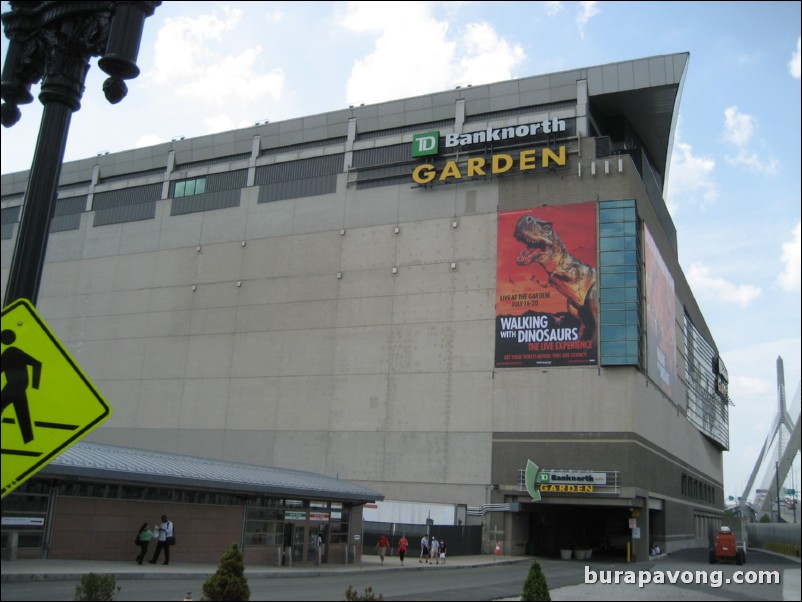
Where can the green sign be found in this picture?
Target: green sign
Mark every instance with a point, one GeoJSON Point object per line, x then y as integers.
{"type": "Point", "coordinates": [531, 477]}
{"type": "Point", "coordinates": [424, 144]}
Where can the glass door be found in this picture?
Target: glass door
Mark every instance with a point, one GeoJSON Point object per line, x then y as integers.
{"type": "Point", "coordinates": [298, 543]}
{"type": "Point", "coordinates": [305, 542]}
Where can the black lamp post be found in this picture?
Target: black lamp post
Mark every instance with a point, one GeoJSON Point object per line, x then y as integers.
{"type": "Point", "coordinates": [53, 42]}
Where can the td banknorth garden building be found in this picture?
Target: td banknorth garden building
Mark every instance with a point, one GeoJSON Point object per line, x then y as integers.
{"type": "Point", "coordinates": [469, 301]}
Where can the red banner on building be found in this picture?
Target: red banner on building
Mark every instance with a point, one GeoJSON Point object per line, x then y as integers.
{"type": "Point", "coordinates": [546, 287]}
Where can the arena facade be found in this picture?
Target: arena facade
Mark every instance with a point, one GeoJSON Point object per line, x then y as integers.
{"type": "Point", "coordinates": [467, 300]}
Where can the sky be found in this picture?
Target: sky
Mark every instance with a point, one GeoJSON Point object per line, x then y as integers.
{"type": "Point", "coordinates": [734, 181]}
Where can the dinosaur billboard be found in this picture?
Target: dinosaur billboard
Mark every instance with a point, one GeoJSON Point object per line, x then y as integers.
{"type": "Point", "coordinates": [546, 287]}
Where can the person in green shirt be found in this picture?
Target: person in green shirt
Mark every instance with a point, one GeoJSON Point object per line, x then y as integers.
{"type": "Point", "coordinates": [143, 541]}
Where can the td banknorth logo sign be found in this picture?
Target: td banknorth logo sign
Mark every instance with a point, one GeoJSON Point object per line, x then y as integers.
{"type": "Point", "coordinates": [428, 143]}
{"type": "Point", "coordinates": [560, 481]}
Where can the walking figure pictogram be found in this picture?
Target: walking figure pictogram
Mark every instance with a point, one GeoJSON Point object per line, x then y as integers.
{"type": "Point", "coordinates": [15, 364]}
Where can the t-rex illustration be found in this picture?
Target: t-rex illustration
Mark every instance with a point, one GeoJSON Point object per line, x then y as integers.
{"type": "Point", "coordinates": [572, 277]}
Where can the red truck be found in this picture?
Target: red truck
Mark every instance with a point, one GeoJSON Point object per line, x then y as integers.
{"type": "Point", "coordinates": [726, 548]}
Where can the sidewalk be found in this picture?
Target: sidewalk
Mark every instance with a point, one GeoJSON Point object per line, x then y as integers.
{"type": "Point", "coordinates": [52, 570]}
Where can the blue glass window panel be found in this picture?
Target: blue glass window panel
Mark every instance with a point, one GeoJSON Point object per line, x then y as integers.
{"type": "Point", "coordinates": [622, 214]}
{"type": "Point", "coordinates": [627, 348]}
{"type": "Point", "coordinates": [618, 258]}
{"type": "Point", "coordinates": [615, 279]}
{"type": "Point", "coordinates": [179, 189]}
{"type": "Point", "coordinates": [611, 229]}
{"type": "Point", "coordinates": [619, 295]}
{"type": "Point", "coordinates": [607, 216]}
{"type": "Point", "coordinates": [618, 332]}
{"type": "Point", "coordinates": [620, 269]}
{"type": "Point", "coordinates": [618, 243]}
{"type": "Point", "coordinates": [613, 317]}
{"type": "Point", "coordinates": [200, 186]}
{"type": "Point", "coordinates": [619, 361]}
{"type": "Point", "coordinates": [618, 204]}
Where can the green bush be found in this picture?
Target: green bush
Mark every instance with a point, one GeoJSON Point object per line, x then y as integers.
{"type": "Point", "coordinates": [351, 594]}
{"type": "Point", "coordinates": [535, 586]}
{"type": "Point", "coordinates": [96, 587]}
{"type": "Point", "coordinates": [229, 581]}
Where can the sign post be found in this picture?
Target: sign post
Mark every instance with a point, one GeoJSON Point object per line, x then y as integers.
{"type": "Point", "coordinates": [48, 402]}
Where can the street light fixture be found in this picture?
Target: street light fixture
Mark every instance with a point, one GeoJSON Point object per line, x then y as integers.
{"type": "Point", "coordinates": [53, 42]}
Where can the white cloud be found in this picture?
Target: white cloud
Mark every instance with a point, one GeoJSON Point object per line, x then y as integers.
{"type": "Point", "coordinates": [186, 61]}
{"type": "Point", "coordinates": [373, 17]}
{"type": "Point", "coordinates": [690, 180]}
{"type": "Point", "coordinates": [486, 56]}
{"type": "Point", "coordinates": [181, 44]}
{"type": "Point", "coordinates": [475, 56]}
{"type": "Point", "coordinates": [702, 281]}
{"type": "Point", "coordinates": [790, 276]}
{"type": "Point", "coordinates": [753, 386]}
{"type": "Point", "coordinates": [738, 127]}
{"type": "Point", "coordinates": [587, 12]}
{"type": "Point", "coordinates": [739, 133]}
{"type": "Point", "coordinates": [793, 64]}
{"type": "Point", "coordinates": [390, 71]}
{"type": "Point", "coordinates": [553, 7]}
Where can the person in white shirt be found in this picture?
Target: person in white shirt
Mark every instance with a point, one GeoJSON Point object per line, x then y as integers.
{"type": "Point", "coordinates": [434, 546]}
{"type": "Point", "coordinates": [164, 541]}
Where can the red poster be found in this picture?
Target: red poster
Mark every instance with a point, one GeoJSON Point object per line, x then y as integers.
{"type": "Point", "coordinates": [546, 287]}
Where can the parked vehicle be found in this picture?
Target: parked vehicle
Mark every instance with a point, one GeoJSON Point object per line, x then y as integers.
{"type": "Point", "coordinates": [725, 548]}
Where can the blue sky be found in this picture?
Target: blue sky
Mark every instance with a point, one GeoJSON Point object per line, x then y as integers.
{"type": "Point", "coordinates": [734, 186]}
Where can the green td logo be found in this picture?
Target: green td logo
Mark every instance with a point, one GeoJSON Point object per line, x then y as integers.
{"type": "Point", "coordinates": [427, 143]}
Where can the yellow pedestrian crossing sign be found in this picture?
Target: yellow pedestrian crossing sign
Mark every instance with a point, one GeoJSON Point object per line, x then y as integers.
{"type": "Point", "coordinates": [48, 401]}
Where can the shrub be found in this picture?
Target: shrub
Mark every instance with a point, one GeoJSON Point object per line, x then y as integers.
{"type": "Point", "coordinates": [229, 581]}
{"type": "Point", "coordinates": [351, 594]}
{"type": "Point", "coordinates": [535, 586]}
{"type": "Point", "coordinates": [96, 587]}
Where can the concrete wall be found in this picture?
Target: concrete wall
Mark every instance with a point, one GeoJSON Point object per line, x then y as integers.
{"type": "Point", "coordinates": [101, 529]}
{"type": "Point", "coordinates": [278, 334]}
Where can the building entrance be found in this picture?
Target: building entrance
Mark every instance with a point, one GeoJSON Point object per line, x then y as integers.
{"type": "Point", "coordinates": [604, 530]}
{"type": "Point", "coordinates": [304, 542]}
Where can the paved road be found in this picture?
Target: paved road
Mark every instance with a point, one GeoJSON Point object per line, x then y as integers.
{"type": "Point", "coordinates": [464, 578]}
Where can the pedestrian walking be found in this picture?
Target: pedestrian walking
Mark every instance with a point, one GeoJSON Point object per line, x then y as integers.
{"type": "Point", "coordinates": [382, 546]}
{"type": "Point", "coordinates": [403, 546]}
{"type": "Point", "coordinates": [143, 541]}
{"type": "Point", "coordinates": [434, 546]}
{"type": "Point", "coordinates": [166, 538]}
